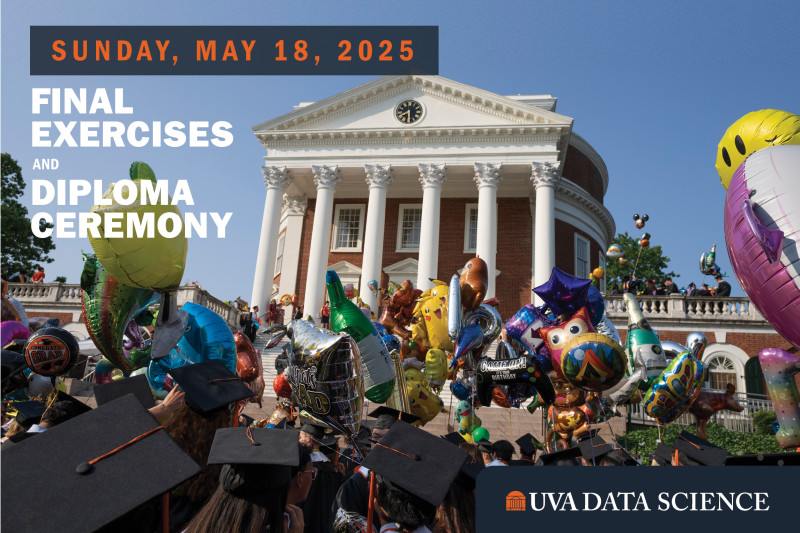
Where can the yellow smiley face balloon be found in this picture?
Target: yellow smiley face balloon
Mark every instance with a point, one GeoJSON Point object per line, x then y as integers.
{"type": "Point", "coordinates": [752, 132]}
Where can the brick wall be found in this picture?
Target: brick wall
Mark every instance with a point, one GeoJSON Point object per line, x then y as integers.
{"type": "Point", "coordinates": [750, 343]}
{"type": "Point", "coordinates": [580, 170]}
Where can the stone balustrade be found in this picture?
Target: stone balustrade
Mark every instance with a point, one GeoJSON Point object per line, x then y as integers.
{"type": "Point", "coordinates": [66, 297]}
{"type": "Point", "coordinates": [680, 308]}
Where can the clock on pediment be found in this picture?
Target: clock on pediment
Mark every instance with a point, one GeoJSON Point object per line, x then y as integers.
{"type": "Point", "coordinates": [408, 111]}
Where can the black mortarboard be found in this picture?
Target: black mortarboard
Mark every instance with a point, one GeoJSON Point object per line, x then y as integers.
{"type": "Point", "coordinates": [329, 444]}
{"type": "Point", "coordinates": [210, 385]}
{"type": "Point", "coordinates": [248, 420]}
{"type": "Point", "coordinates": [551, 459]}
{"type": "Point", "coordinates": [316, 431]}
{"type": "Point", "coordinates": [666, 454]}
{"type": "Point", "coordinates": [386, 416]}
{"type": "Point", "coordinates": [528, 444]}
{"type": "Point", "coordinates": [416, 461]}
{"type": "Point", "coordinates": [281, 424]}
{"type": "Point", "coordinates": [136, 385]}
{"type": "Point", "coordinates": [764, 459]}
{"type": "Point", "coordinates": [700, 450]}
{"type": "Point", "coordinates": [484, 445]}
{"type": "Point", "coordinates": [29, 413]}
{"type": "Point", "coordinates": [454, 438]}
{"type": "Point", "coordinates": [468, 474]}
{"type": "Point", "coordinates": [594, 449]}
{"type": "Point", "coordinates": [592, 434]}
{"type": "Point", "coordinates": [50, 464]}
{"type": "Point", "coordinates": [256, 459]}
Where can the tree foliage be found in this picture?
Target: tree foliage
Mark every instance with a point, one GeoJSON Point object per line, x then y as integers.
{"type": "Point", "coordinates": [653, 263]}
{"type": "Point", "coordinates": [21, 250]}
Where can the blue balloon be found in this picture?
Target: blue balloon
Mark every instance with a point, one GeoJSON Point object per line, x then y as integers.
{"type": "Point", "coordinates": [596, 305]}
{"type": "Point", "coordinates": [462, 390]}
{"type": "Point", "coordinates": [207, 336]}
{"type": "Point", "coordinates": [391, 342]}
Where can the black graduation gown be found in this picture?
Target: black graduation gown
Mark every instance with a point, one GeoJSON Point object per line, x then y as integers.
{"type": "Point", "coordinates": [318, 507]}
{"type": "Point", "coordinates": [522, 462]}
{"type": "Point", "coordinates": [353, 496]}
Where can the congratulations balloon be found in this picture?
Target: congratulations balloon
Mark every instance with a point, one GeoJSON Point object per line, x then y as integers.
{"type": "Point", "coordinates": [780, 371]}
{"type": "Point", "coordinates": [108, 309]}
{"type": "Point", "coordinates": [326, 375]}
{"type": "Point", "coordinates": [593, 362]}
{"type": "Point", "coordinates": [207, 336]}
{"type": "Point", "coordinates": [762, 225]}
{"type": "Point", "coordinates": [752, 132]}
{"type": "Point", "coordinates": [155, 262]}
{"type": "Point", "coordinates": [51, 352]}
{"type": "Point", "coordinates": [675, 389]}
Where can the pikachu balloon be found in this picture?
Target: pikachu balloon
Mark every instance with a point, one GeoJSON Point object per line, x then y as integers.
{"type": "Point", "coordinates": [431, 312]}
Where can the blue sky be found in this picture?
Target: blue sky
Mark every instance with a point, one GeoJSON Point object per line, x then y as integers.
{"type": "Point", "coordinates": [651, 85]}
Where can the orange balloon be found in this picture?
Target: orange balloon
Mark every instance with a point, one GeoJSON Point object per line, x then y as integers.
{"type": "Point", "coordinates": [500, 397]}
{"type": "Point", "coordinates": [645, 243]}
{"type": "Point", "coordinates": [598, 273]}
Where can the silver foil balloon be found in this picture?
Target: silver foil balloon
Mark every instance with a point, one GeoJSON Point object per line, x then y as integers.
{"type": "Point", "coordinates": [697, 342]}
{"type": "Point", "coordinates": [673, 349]}
{"type": "Point", "coordinates": [505, 351]}
{"type": "Point", "coordinates": [621, 393]}
{"type": "Point", "coordinates": [454, 311]}
{"type": "Point", "coordinates": [325, 372]}
{"type": "Point", "coordinates": [489, 320]}
{"type": "Point", "coordinates": [605, 327]}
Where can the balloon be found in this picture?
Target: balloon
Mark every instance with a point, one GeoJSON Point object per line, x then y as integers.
{"type": "Point", "coordinates": [628, 386]}
{"type": "Point", "coordinates": [708, 403]}
{"type": "Point", "coordinates": [108, 309]}
{"type": "Point", "coordinates": [593, 362]}
{"type": "Point", "coordinates": [412, 373]}
{"type": "Point", "coordinates": [454, 312]}
{"type": "Point", "coordinates": [708, 263]}
{"type": "Point", "coordinates": [754, 131]}
{"type": "Point", "coordinates": [567, 413]}
{"type": "Point", "coordinates": [436, 367]}
{"type": "Point", "coordinates": [639, 221]}
{"type": "Point", "coordinates": [155, 263]}
{"type": "Point", "coordinates": [675, 389]}
{"type": "Point", "coordinates": [501, 397]}
{"type": "Point", "coordinates": [762, 214]}
{"type": "Point", "coordinates": [466, 418]}
{"type": "Point", "coordinates": [557, 337]}
{"type": "Point", "coordinates": [623, 261]}
{"type": "Point", "coordinates": [505, 351]}
{"type": "Point", "coordinates": [511, 371]}
{"type": "Point", "coordinates": [469, 338]}
{"type": "Point", "coordinates": [431, 312]}
{"type": "Point", "coordinates": [614, 251]}
{"type": "Point", "coordinates": [424, 403]}
{"type": "Point", "coordinates": [326, 375]}
{"type": "Point", "coordinates": [524, 327]}
{"type": "Point", "coordinates": [463, 389]}
{"type": "Point", "coordinates": [20, 310]}
{"type": "Point", "coordinates": [286, 300]}
{"type": "Point", "coordinates": [673, 349]}
{"type": "Point", "coordinates": [563, 293]}
{"type": "Point", "coordinates": [780, 371]}
{"type": "Point", "coordinates": [488, 317]}
{"type": "Point", "coordinates": [641, 338]}
{"type": "Point", "coordinates": [599, 273]}
{"type": "Point", "coordinates": [595, 304]}
{"type": "Point", "coordinates": [697, 342]}
{"type": "Point", "coordinates": [51, 352]}
{"type": "Point", "coordinates": [605, 327]}
{"type": "Point", "coordinates": [11, 330]}
{"type": "Point", "coordinates": [474, 281]}
{"type": "Point", "coordinates": [13, 372]}
{"type": "Point", "coordinates": [373, 286]}
{"type": "Point", "coordinates": [105, 370]}
{"type": "Point", "coordinates": [479, 434]}
{"type": "Point", "coordinates": [207, 336]}
{"type": "Point", "coordinates": [249, 366]}
{"type": "Point", "coordinates": [391, 342]}
{"type": "Point", "coordinates": [281, 386]}
{"type": "Point", "coordinates": [644, 243]}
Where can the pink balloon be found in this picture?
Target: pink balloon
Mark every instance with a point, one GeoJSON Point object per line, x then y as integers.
{"type": "Point", "coordinates": [11, 330]}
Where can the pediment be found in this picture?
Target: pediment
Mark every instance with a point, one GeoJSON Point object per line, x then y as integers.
{"type": "Point", "coordinates": [446, 104]}
{"type": "Point", "coordinates": [406, 266]}
{"type": "Point", "coordinates": [345, 267]}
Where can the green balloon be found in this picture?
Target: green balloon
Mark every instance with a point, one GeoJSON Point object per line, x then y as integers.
{"type": "Point", "coordinates": [480, 433]}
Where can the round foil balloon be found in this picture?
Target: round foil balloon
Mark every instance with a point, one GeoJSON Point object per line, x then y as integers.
{"type": "Point", "coordinates": [51, 352]}
{"type": "Point", "coordinates": [593, 362]}
{"type": "Point", "coordinates": [155, 262]}
{"type": "Point", "coordinates": [281, 386]}
{"type": "Point", "coordinates": [325, 373]}
{"type": "Point", "coordinates": [249, 366]}
{"type": "Point", "coordinates": [675, 389]}
{"type": "Point", "coordinates": [614, 251]}
{"type": "Point", "coordinates": [762, 220]}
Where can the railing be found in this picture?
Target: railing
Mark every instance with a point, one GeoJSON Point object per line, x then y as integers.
{"type": "Point", "coordinates": [679, 307]}
{"type": "Point", "coordinates": [741, 422]}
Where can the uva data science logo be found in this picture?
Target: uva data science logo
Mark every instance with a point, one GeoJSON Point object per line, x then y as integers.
{"type": "Point", "coordinates": [515, 501]}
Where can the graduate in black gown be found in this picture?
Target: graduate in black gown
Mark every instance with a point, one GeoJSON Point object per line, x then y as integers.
{"type": "Point", "coordinates": [318, 507]}
{"type": "Point", "coordinates": [528, 444]}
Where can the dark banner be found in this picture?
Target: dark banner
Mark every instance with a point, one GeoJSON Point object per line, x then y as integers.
{"type": "Point", "coordinates": [234, 50]}
{"type": "Point", "coordinates": [653, 499]}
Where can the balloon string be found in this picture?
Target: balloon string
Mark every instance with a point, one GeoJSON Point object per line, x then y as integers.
{"type": "Point", "coordinates": [637, 260]}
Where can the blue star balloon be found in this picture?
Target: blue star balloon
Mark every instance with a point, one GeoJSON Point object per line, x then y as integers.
{"type": "Point", "coordinates": [563, 293]}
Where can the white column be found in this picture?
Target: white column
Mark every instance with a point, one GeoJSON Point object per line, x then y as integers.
{"type": "Point", "coordinates": [432, 177]}
{"type": "Point", "coordinates": [276, 179]}
{"type": "Point", "coordinates": [488, 176]}
{"type": "Point", "coordinates": [378, 177]}
{"type": "Point", "coordinates": [326, 179]}
{"type": "Point", "coordinates": [545, 178]}
{"type": "Point", "coordinates": [294, 209]}
{"type": "Point", "coordinates": [534, 298]}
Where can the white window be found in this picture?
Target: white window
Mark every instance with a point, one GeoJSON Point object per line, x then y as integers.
{"type": "Point", "coordinates": [470, 228]}
{"type": "Point", "coordinates": [721, 372]}
{"type": "Point", "coordinates": [409, 227]}
{"type": "Point", "coordinates": [279, 256]}
{"type": "Point", "coordinates": [348, 228]}
{"type": "Point", "coordinates": [581, 257]}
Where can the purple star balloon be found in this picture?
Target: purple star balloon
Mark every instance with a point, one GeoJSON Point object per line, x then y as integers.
{"type": "Point", "coordinates": [563, 293]}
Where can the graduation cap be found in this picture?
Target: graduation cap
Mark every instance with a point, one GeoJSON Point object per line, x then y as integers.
{"type": "Point", "coordinates": [528, 444]}
{"type": "Point", "coordinates": [416, 461]}
{"type": "Point", "coordinates": [29, 413]}
{"type": "Point", "coordinates": [764, 459]}
{"type": "Point", "coordinates": [592, 434]}
{"type": "Point", "coordinates": [386, 416]}
{"type": "Point", "coordinates": [551, 459]}
{"type": "Point", "coordinates": [468, 474]}
{"type": "Point", "coordinates": [454, 438]}
{"type": "Point", "coordinates": [594, 449]}
{"type": "Point", "coordinates": [699, 450]}
{"type": "Point", "coordinates": [210, 385]}
{"type": "Point", "coordinates": [94, 469]}
{"type": "Point", "coordinates": [136, 385]}
{"type": "Point", "coordinates": [255, 459]}
{"type": "Point", "coordinates": [665, 454]}
{"type": "Point", "coordinates": [317, 431]}
{"type": "Point", "coordinates": [329, 444]}
{"type": "Point", "coordinates": [485, 446]}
